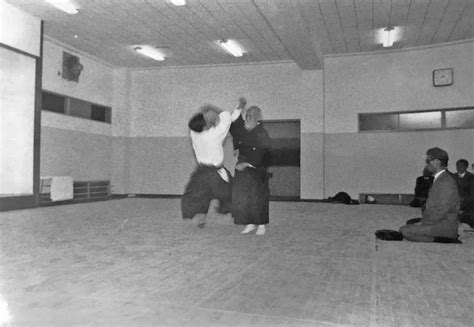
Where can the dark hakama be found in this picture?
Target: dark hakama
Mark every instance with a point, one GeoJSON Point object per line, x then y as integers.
{"type": "Point", "coordinates": [205, 185]}
{"type": "Point", "coordinates": [250, 197]}
{"type": "Point", "coordinates": [250, 191]}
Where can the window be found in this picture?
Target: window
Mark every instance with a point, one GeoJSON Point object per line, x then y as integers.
{"type": "Point", "coordinates": [415, 121]}
{"type": "Point", "coordinates": [100, 113]}
{"type": "Point", "coordinates": [460, 118]}
{"type": "Point", "coordinates": [381, 122]}
{"type": "Point", "coordinates": [75, 107]}
{"type": "Point", "coordinates": [79, 108]}
{"type": "Point", "coordinates": [53, 102]}
{"type": "Point", "coordinates": [422, 120]}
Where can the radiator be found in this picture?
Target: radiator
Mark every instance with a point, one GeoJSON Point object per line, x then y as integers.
{"type": "Point", "coordinates": [83, 191]}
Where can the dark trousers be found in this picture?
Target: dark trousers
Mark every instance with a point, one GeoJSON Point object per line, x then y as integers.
{"type": "Point", "coordinates": [467, 216]}
{"type": "Point", "coordinates": [205, 185]}
{"type": "Point", "coordinates": [415, 231]}
{"type": "Point", "coordinates": [250, 197]}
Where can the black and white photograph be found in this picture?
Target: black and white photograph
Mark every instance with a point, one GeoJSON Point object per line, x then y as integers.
{"type": "Point", "coordinates": [237, 163]}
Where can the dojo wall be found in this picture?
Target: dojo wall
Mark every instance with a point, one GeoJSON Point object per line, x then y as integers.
{"type": "Point", "coordinates": [75, 146]}
{"type": "Point", "coordinates": [147, 149]}
{"type": "Point", "coordinates": [163, 100]}
{"type": "Point", "coordinates": [391, 81]}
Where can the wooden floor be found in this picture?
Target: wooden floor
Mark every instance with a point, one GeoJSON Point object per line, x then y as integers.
{"type": "Point", "coordinates": [135, 262]}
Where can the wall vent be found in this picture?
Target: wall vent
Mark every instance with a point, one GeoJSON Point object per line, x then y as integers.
{"type": "Point", "coordinates": [84, 191]}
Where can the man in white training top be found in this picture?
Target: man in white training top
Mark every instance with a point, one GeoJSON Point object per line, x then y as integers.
{"type": "Point", "coordinates": [210, 180]}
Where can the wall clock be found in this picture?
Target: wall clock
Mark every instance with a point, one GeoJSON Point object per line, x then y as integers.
{"type": "Point", "coordinates": [443, 77]}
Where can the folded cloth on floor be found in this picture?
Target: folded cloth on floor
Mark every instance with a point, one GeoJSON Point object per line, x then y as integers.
{"type": "Point", "coordinates": [388, 235]}
{"type": "Point", "coordinates": [62, 188]}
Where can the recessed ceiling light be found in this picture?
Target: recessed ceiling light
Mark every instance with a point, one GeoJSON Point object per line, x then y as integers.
{"type": "Point", "coordinates": [388, 36]}
{"type": "Point", "coordinates": [76, 36]}
{"type": "Point", "coordinates": [150, 51]}
{"type": "Point", "coordinates": [178, 3]}
{"type": "Point", "coordinates": [232, 47]}
{"type": "Point", "coordinates": [67, 6]}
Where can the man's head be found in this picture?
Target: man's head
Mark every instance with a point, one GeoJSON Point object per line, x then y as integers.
{"type": "Point", "coordinates": [197, 123]}
{"type": "Point", "coordinates": [461, 166]}
{"type": "Point", "coordinates": [211, 115]}
{"type": "Point", "coordinates": [436, 160]}
{"type": "Point", "coordinates": [252, 116]}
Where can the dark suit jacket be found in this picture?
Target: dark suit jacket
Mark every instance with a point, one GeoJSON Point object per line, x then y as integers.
{"type": "Point", "coordinates": [423, 185]}
{"type": "Point", "coordinates": [465, 187]}
{"type": "Point", "coordinates": [442, 207]}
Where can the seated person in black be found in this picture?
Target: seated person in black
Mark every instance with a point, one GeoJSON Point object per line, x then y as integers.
{"type": "Point", "coordinates": [422, 187]}
{"type": "Point", "coordinates": [465, 183]}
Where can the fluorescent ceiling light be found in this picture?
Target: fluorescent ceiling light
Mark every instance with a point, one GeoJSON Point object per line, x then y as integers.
{"type": "Point", "coordinates": [65, 5]}
{"type": "Point", "coordinates": [178, 2]}
{"type": "Point", "coordinates": [388, 36]}
{"type": "Point", "coordinates": [150, 52]}
{"type": "Point", "coordinates": [232, 47]}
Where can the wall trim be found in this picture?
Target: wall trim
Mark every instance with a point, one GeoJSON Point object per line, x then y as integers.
{"type": "Point", "coordinates": [59, 203]}
{"type": "Point", "coordinates": [276, 62]}
{"type": "Point", "coordinates": [179, 196]}
{"type": "Point", "coordinates": [18, 202]}
{"type": "Point", "coordinates": [153, 196]}
{"type": "Point", "coordinates": [96, 127]}
{"type": "Point", "coordinates": [9, 47]}
{"type": "Point", "coordinates": [37, 120]}
{"type": "Point", "coordinates": [384, 52]}
{"type": "Point", "coordinates": [216, 65]}
{"type": "Point", "coordinates": [324, 134]}
{"type": "Point", "coordinates": [76, 51]}
{"type": "Point", "coordinates": [388, 198]}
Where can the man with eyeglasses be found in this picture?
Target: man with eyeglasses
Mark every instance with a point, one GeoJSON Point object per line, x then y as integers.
{"type": "Point", "coordinates": [439, 221]}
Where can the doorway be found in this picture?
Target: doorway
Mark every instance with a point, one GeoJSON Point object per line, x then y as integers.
{"type": "Point", "coordinates": [19, 128]}
{"type": "Point", "coordinates": [285, 167]}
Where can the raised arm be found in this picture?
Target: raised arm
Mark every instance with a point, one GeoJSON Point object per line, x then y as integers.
{"type": "Point", "coordinates": [238, 110]}
{"type": "Point", "coordinates": [223, 125]}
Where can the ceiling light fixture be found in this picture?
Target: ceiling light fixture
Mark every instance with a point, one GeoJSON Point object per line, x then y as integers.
{"type": "Point", "coordinates": [65, 5]}
{"type": "Point", "coordinates": [388, 36]}
{"type": "Point", "coordinates": [232, 47]}
{"type": "Point", "coordinates": [150, 52]}
{"type": "Point", "coordinates": [178, 2]}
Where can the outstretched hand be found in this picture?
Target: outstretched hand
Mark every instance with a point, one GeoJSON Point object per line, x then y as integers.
{"type": "Point", "coordinates": [242, 103]}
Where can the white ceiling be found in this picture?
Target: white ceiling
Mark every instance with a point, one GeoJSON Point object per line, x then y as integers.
{"type": "Point", "coordinates": [270, 30]}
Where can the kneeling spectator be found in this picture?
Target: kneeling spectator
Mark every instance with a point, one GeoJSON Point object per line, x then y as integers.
{"type": "Point", "coordinates": [439, 220]}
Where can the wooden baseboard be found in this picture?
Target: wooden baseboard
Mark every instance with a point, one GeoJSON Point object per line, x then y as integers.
{"type": "Point", "coordinates": [178, 196]}
{"type": "Point", "coordinates": [285, 198]}
{"type": "Point", "coordinates": [387, 198]}
{"type": "Point", "coordinates": [155, 196]}
{"type": "Point", "coordinates": [17, 202]}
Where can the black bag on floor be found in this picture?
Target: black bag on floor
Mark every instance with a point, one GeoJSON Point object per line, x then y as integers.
{"type": "Point", "coordinates": [342, 197]}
